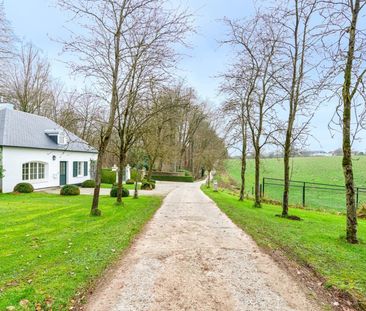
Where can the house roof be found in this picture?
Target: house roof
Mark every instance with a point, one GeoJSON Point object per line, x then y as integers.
{"type": "Point", "coordinates": [20, 129]}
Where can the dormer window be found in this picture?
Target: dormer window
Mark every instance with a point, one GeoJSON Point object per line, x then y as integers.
{"type": "Point", "coordinates": [61, 138]}
{"type": "Point", "coordinates": [58, 136]}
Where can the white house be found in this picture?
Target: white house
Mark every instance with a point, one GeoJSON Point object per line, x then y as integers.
{"type": "Point", "coordinates": [38, 151]}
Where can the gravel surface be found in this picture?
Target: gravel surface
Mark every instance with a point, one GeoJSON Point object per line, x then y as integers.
{"type": "Point", "coordinates": [192, 257]}
{"type": "Point", "coordinates": [162, 189]}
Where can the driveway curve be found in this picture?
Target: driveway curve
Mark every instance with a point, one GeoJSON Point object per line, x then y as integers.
{"type": "Point", "coordinates": [192, 257]}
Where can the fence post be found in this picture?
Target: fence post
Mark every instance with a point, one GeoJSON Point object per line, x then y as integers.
{"type": "Point", "coordinates": [357, 197]}
{"type": "Point", "coordinates": [263, 187]}
{"type": "Point", "coordinates": [303, 194]}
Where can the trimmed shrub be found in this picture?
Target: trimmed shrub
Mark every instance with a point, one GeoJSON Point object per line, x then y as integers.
{"type": "Point", "coordinates": [108, 176]}
{"type": "Point", "coordinates": [70, 190]}
{"type": "Point", "coordinates": [173, 178]}
{"type": "Point", "coordinates": [129, 182]}
{"type": "Point", "coordinates": [23, 188]}
{"type": "Point", "coordinates": [161, 173]}
{"type": "Point", "coordinates": [125, 192]}
{"type": "Point", "coordinates": [147, 185]}
{"type": "Point", "coordinates": [88, 184]}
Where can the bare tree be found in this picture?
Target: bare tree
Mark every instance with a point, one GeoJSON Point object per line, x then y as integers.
{"type": "Point", "coordinates": [159, 131]}
{"type": "Point", "coordinates": [7, 40]}
{"type": "Point", "coordinates": [189, 119]}
{"type": "Point", "coordinates": [253, 82]}
{"type": "Point", "coordinates": [210, 149]}
{"type": "Point", "coordinates": [150, 54]}
{"type": "Point", "coordinates": [301, 90]}
{"type": "Point", "coordinates": [28, 80]}
{"type": "Point", "coordinates": [345, 43]}
{"type": "Point", "coordinates": [101, 51]}
{"type": "Point", "coordinates": [236, 125]}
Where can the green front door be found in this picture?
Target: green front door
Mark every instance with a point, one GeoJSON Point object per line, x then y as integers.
{"type": "Point", "coordinates": [63, 173]}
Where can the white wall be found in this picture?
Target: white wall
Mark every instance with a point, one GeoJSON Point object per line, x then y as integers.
{"type": "Point", "coordinates": [13, 159]}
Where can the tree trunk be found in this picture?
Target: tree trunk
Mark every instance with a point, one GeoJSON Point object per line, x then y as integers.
{"type": "Point", "coordinates": [135, 194]}
{"type": "Point", "coordinates": [242, 172]}
{"type": "Point", "coordinates": [98, 180]}
{"type": "Point", "coordinates": [257, 202]}
{"type": "Point", "coordinates": [347, 149]}
{"type": "Point", "coordinates": [209, 179]}
{"type": "Point", "coordinates": [286, 174]}
{"type": "Point", "coordinates": [151, 167]}
{"type": "Point", "coordinates": [121, 166]}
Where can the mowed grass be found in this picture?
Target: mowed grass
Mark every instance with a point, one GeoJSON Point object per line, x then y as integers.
{"type": "Point", "coordinates": [326, 170]}
{"type": "Point", "coordinates": [50, 248]}
{"type": "Point", "coordinates": [317, 241]}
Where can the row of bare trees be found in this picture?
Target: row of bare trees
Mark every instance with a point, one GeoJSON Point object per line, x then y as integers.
{"type": "Point", "coordinates": [287, 60]}
{"type": "Point", "coordinates": [125, 52]}
{"type": "Point", "coordinates": [181, 134]}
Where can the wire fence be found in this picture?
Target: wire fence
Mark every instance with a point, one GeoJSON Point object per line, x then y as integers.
{"type": "Point", "coordinates": [311, 194]}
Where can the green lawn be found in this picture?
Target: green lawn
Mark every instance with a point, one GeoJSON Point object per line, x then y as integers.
{"type": "Point", "coordinates": [318, 240]}
{"type": "Point", "coordinates": [311, 169]}
{"type": "Point", "coordinates": [50, 248]}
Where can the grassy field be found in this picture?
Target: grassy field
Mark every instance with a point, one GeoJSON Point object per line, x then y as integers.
{"type": "Point", "coordinates": [50, 248]}
{"type": "Point", "coordinates": [311, 169]}
{"type": "Point", "coordinates": [318, 240]}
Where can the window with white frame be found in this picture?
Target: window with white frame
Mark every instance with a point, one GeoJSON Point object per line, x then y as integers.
{"type": "Point", "coordinates": [33, 171]}
{"type": "Point", "coordinates": [80, 168]}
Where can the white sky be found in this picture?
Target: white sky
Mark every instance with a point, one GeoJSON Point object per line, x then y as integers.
{"type": "Point", "coordinates": [39, 20]}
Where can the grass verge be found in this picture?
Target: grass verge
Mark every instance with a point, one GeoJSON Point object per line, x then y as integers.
{"type": "Point", "coordinates": [51, 249]}
{"type": "Point", "coordinates": [317, 241]}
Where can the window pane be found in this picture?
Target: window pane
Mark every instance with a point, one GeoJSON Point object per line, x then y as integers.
{"type": "Point", "coordinates": [40, 171]}
{"type": "Point", "coordinates": [25, 171]}
{"type": "Point", "coordinates": [33, 170]}
{"type": "Point", "coordinates": [80, 167]}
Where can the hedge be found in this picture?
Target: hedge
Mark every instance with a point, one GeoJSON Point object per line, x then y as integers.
{"type": "Point", "coordinates": [23, 188]}
{"type": "Point", "coordinates": [88, 184]}
{"type": "Point", "coordinates": [173, 178]}
{"type": "Point", "coordinates": [114, 190]}
{"type": "Point", "coordinates": [162, 173]}
{"type": "Point", "coordinates": [70, 190]}
{"type": "Point", "coordinates": [108, 176]}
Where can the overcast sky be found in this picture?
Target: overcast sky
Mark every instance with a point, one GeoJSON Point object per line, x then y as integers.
{"type": "Point", "coordinates": [39, 21]}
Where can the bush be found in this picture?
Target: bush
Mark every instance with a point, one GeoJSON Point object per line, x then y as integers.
{"type": "Point", "coordinates": [129, 182]}
{"type": "Point", "coordinates": [125, 192]}
{"type": "Point", "coordinates": [147, 185]}
{"type": "Point", "coordinates": [108, 176]}
{"type": "Point", "coordinates": [88, 184]}
{"type": "Point", "coordinates": [187, 173]}
{"type": "Point", "coordinates": [23, 188]}
{"type": "Point", "coordinates": [70, 190]}
{"type": "Point", "coordinates": [173, 178]}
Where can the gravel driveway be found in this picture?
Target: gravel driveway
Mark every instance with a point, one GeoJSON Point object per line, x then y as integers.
{"type": "Point", "coordinates": [162, 189]}
{"type": "Point", "coordinates": [192, 257]}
